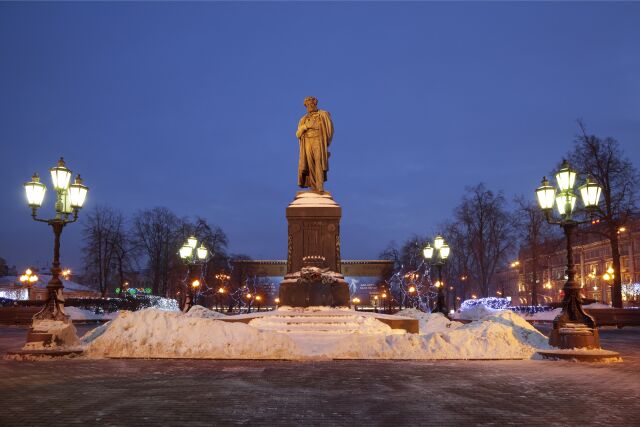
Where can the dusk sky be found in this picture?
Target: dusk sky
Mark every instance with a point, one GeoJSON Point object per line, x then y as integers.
{"type": "Point", "coordinates": [195, 106]}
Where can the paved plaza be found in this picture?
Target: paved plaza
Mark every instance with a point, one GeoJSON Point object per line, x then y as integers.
{"type": "Point", "coordinates": [201, 392]}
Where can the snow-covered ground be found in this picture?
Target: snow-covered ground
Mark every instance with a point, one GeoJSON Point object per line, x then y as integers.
{"type": "Point", "coordinates": [82, 314]}
{"type": "Point", "coordinates": [314, 333]}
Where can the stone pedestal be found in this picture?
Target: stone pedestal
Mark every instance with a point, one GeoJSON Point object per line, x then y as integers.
{"type": "Point", "coordinates": [314, 230]}
{"type": "Point", "coordinates": [313, 242]}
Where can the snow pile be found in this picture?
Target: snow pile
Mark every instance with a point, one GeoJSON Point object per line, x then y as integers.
{"type": "Point", "coordinates": [63, 334]}
{"type": "Point", "coordinates": [430, 322]}
{"type": "Point", "coordinates": [311, 322]}
{"type": "Point", "coordinates": [201, 312]}
{"type": "Point", "coordinates": [504, 335]}
{"type": "Point", "coordinates": [156, 333]}
{"type": "Point", "coordinates": [477, 312]}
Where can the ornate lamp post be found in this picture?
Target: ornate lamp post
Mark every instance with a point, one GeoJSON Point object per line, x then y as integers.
{"type": "Point", "coordinates": [69, 200]}
{"type": "Point", "coordinates": [443, 250]}
{"type": "Point", "coordinates": [192, 255]}
{"type": "Point", "coordinates": [573, 328]}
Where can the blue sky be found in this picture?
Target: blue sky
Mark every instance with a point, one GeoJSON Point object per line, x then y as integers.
{"type": "Point", "coordinates": [194, 107]}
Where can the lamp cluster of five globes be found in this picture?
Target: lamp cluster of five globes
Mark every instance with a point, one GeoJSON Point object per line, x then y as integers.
{"type": "Point", "coordinates": [190, 248]}
{"type": "Point", "coordinates": [70, 197]}
{"type": "Point", "coordinates": [563, 197]}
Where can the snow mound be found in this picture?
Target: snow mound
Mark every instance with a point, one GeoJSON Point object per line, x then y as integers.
{"type": "Point", "coordinates": [478, 312]}
{"type": "Point", "coordinates": [155, 333]}
{"type": "Point", "coordinates": [503, 335]}
{"type": "Point", "coordinates": [204, 313]}
{"type": "Point", "coordinates": [430, 322]}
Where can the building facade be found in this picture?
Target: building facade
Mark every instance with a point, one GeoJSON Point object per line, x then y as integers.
{"type": "Point", "coordinates": [593, 265]}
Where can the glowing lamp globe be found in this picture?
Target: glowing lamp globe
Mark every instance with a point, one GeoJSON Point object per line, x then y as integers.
{"type": "Point", "coordinates": [445, 250]}
{"type": "Point", "coordinates": [185, 251]}
{"type": "Point", "coordinates": [590, 193]}
{"type": "Point", "coordinates": [438, 241]}
{"type": "Point", "coordinates": [202, 252]}
{"type": "Point", "coordinates": [546, 195]}
{"type": "Point", "coordinates": [565, 177]}
{"type": "Point", "coordinates": [565, 202]}
{"type": "Point", "coordinates": [77, 193]}
{"type": "Point", "coordinates": [192, 242]}
{"type": "Point", "coordinates": [60, 176]}
{"type": "Point", "coordinates": [428, 251]}
{"type": "Point", "coordinates": [35, 191]}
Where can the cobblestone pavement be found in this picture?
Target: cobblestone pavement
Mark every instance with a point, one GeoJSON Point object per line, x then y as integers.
{"type": "Point", "coordinates": [192, 392]}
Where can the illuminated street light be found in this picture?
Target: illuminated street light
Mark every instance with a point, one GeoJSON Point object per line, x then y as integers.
{"type": "Point", "coordinates": [572, 328]}
{"type": "Point", "coordinates": [443, 250]}
{"type": "Point", "coordinates": [193, 256]}
{"type": "Point", "coordinates": [69, 200]}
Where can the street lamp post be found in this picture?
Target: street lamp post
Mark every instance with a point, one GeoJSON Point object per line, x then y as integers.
{"type": "Point", "coordinates": [192, 255]}
{"type": "Point", "coordinates": [443, 250]}
{"type": "Point", "coordinates": [69, 200]}
{"type": "Point", "coordinates": [572, 328]}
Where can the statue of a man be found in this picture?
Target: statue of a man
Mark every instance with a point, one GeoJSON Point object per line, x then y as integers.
{"type": "Point", "coordinates": [315, 131]}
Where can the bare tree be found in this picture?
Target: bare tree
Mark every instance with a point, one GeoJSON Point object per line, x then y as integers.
{"type": "Point", "coordinates": [605, 161]}
{"type": "Point", "coordinates": [459, 263]}
{"type": "Point", "coordinates": [535, 236]}
{"type": "Point", "coordinates": [487, 233]}
{"type": "Point", "coordinates": [157, 232]}
{"type": "Point", "coordinates": [101, 226]}
{"type": "Point", "coordinates": [125, 255]}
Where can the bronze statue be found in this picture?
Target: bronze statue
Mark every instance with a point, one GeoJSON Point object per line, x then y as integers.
{"type": "Point", "coordinates": [314, 133]}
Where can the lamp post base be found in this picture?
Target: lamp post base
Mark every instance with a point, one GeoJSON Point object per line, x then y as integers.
{"type": "Point", "coordinates": [574, 335]}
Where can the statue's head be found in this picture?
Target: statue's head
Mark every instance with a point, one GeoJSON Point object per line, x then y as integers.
{"type": "Point", "coordinates": [311, 103]}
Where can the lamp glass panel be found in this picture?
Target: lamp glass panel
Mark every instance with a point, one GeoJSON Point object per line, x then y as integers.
{"type": "Point", "coordinates": [428, 252]}
{"type": "Point", "coordinates": [192, 241]}
{"type": "Point", "coordinates": [185, 251]}
{"type": "Point", "coordinates": [566, 178]}
{"type": "Point", "coordinates": [35, 193]}
{"type": "Point", "coordinates": [590, 193]}
{"type": "Point", "coordinates": [546, 195]}
{"type": "Point", "coordinates": [445, 250]}
{"type": "Point", "coordinates": [60, 176]}
{"type": "Point", "coordinates": [202, 252]}
{"type": "Point", "coordinates": [77, 195]}
{"type": "Point", "coordinates": [438, 242]}
{"type": "Point", "coordinates": [565, 203]}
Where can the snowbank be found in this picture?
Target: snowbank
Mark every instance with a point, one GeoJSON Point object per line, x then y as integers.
{"type": "Point", "coordinates": [477, 312]}
{"type": "Point", "coordinates": [201, 312]}
{"type": "Point", "coordinates": [430, 322]}
{"type": "Point", "coordinates": [500, 336]}
{"type": "Point", "coordinates": [154, 333]}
